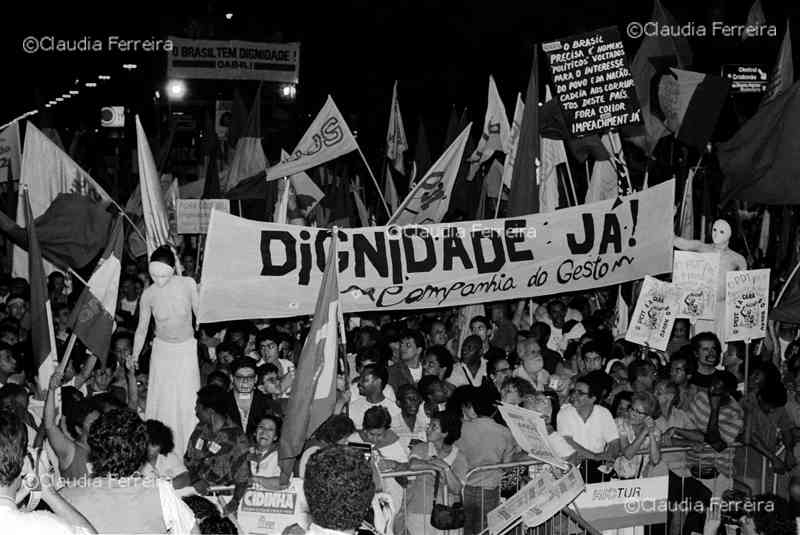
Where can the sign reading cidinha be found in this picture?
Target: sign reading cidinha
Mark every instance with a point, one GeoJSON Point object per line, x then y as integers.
{"type": "Point", "coordinates": [261, 270]}
{"type": "Point", "coordinates": [233, 60]}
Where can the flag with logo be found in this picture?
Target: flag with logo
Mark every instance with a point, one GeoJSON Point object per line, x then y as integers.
{"type": "Point", "coordinates": [609, 177]}
{"type": "Point", "coordinates": [782, 76]}
{"type": "Point", "coordinates": [314, 388]}
{"type": "Point", "coordinates": [156, 220]}
{"type": "Point", "coordinates": [248, 158]}
{"type": "Point", "coordinates": [496, 131]}
{"type": "Point", "coordinates": [42, 335]}
{"type": "Point", "coordinates": [46, 172]}
{"type": "Point", "coordinates": [92, 317]}
{"type": "Point", "coordinates": [429, 200]}
{"type": "Point", "coordinates": [327, 138]}
{"type": "Point", "coordinates": [396, 142]}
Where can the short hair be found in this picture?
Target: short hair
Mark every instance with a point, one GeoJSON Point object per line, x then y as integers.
{"type": "Point", "coordinates": [217, 525]}
{"type": "Point", "coordinates": [277, 420]}
{"type": "Point", "coordinates": [600, 382]}
{"type": "Point", "coordinates": [541, 331]}
{"type": "Point", "coordinates": [377, 371]}
{"type": "Point", "coordinates": [649, 401]}
{"type": "Point", "coordinates": [335, 428]}
{"type": "Point", "coordinates": [523, 386]}
{"type": "Point", "coordinates": [76, 409]}
{"type": "Point", "coordinates": [243, 362]}
{"type": "Point", "coordinates": [595, 388]}
{"type": "Point", "coordinates": [229, 347]}
{"type": "Point", "coordinates": [11, 390]}
{"type": "Point", "coordinates": [13, 447]}
{"type": "Point", "coordinates": [164, 255]}
{"type": "Point", "coordinates": [266, 368]}
{"type": "Point", "coordinates": [268, 334]}
{"type": "Point", "coordinates": [625, 395]}
{"type": "Point", "coordinates": [492, 362]}
{"type": "Point", "coordinates": [121, 335]}
{"type": "Point", "coordinates": [472, 339]}
{"type": "Point", "coordinates": [338, 487]}
{"type": "Point", "coordinates": [221, 376]}
{"type": "Point", "coordinates": [160, 435]}
{"type": "Point", "coordinates": [369, 354]}
{"type": "Point", "coordinates": [685, 354]}
{"type": "Point", "coordinates": [480, 319]}
{"type": "Point", "coordinates": [377, 417]}
{"type": "Point", "coordinates": [201, 507]}
{"type": "Point", "coordinates": [706, 337]}
{"type": "Point", "coordinates": [450, 423]}
{"type": "Point", "coordinates": [639, 368]}
{"type": "Point", "coordinates": [592, 347]}
{"type": "Point", "coordinates": [215, 398]}
{"type": "Point", "coordinates": [479, 398]}
{"type": "Point", "coordinates": [443, 357]}
{"type": "Point", "coordinates": [117, 443]}
{"type": "Point", "coordinates": [418, 337]}
{"type": "Point", "coordinates": [773, 394]}
{"type": "Point", "coordinates": [424, 385]}
{"type": "Point", "coordinates": [729, 380]}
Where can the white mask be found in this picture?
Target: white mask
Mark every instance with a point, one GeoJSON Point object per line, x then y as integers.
{"type": "Point", "coordinates": [720, 232]}
{"type": "Point", "coordinates": [161, 273]}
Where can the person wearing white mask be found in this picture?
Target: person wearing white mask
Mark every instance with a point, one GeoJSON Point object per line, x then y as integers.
{"type": "Point", "coordinates": [174, 370]}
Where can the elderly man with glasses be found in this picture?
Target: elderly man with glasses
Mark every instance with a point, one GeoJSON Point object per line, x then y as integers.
{"type": "Point", "coordinates": [249, 404]}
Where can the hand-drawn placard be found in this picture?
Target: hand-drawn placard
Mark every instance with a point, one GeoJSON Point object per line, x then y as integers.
{"type": "Point", "coordinates": [746, 301]}
{"type": "Point", "coordinates": [654, 315]}
{"type": "Point", "coordinates": [695, 275]}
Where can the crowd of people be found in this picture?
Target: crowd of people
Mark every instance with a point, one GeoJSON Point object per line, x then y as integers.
{"type": "Point", "coordinates": [421, 390]}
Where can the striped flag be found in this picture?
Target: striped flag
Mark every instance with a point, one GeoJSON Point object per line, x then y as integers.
{"type": "Point", "coordinates": [92, 317]}
{"type": "Point", "coordinates": [154, 210]}
{"type": "Point", "coordinates": [782, 76]}
{"type": "Point", "coordinates": [42, 336]}
{"type": "Point", "coordinates": [314, 388]}
{"type": "Point", "coordinates": [396, 142]}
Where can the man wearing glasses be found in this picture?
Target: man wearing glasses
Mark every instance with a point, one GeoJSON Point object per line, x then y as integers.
{"type": "Point", "coordinates": [250, 403]}
{"type": "Point", "coordinates": [589, 428]}
{"type": "Point", "coordinates": [267, 343]}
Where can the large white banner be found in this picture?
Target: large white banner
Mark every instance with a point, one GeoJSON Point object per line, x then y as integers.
{"type": "Point", "coordinates": [263, 270]}
{"type": "Point", "coordinates": [746, 300]}
{"type": "Point", "coordinates": [233, 60]}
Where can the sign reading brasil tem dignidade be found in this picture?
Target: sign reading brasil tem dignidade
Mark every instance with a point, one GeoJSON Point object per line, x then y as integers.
{"type": "Point", "coordinates": [255, 269]}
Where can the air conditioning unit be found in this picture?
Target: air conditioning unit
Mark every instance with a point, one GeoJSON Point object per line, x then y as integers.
{"type": "Point", "coordinates": [112, 116]}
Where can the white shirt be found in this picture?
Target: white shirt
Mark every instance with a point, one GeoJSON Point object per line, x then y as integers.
{"type": "Point", "coordinates": [416, 373]}
{"type": "Point", "coordinates": [406, 435]}
{"type": "Point", "coordinates": [266, 467]}
{"type": "Point", "coordinates": [358, 407]}
{"type": "Point", "coordinates": [594, 434]}
{"type": "Point", "coordinates": [388, 392]}
{"type": "Point", "coordinates": [167, 467]}
{"type": "Point", "coordinates": [461, 375]}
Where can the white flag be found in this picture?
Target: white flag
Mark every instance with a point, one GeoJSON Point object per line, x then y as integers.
{"type": "Point", "coordinates": [496, 131]}
{"type": "Point", "coordinates": [327, 138]}
{"type": "Point", "coordinates": [300, 185]}
{"type": "Point", "coordinates": [513, 141]}
{"type": "Point", "coordinates": [154, 210]}
{"type": "Point", "coordinates": [430, 198]}
{"type": "Point", "coordinates": [608, 176]}
{"type": "Point", "coordinates": [396, 142]}
{"type": "Point", "coordinates": [621, 314]}
{"type": "Point", "coordinates": [553, 153]}
{"type": "Point", "coordinates": [47, 171]}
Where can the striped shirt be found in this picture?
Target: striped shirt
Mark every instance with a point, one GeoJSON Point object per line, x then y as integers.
{"type": "Point", "coordinates": [731, 423]}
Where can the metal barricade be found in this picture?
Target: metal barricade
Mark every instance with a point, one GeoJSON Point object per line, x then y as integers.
{"type": "Point", "coordinates": [413, 513]}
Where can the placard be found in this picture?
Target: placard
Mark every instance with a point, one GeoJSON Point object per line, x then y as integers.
{"type": "Point", "coordinates": [530, 432]}
{"type": "Point", "coordinates": [415, 267]}
{"type": "Point", "coordinates": [268, 512]}
{"type": "Point", "coordinates": [746, 78]}
{"type": "Point", "coordinates": [746, 301]}
{"type": "Point", "coordinates": [233, 60]}
{"type": "Point", "coordinates": [593, 82]}
{"type": "Point", "coordinates": [624, 504]}
{"type": "Point", "coordinates": [194, 214]}
{"type": "Point", "coordinates": [695, 275]}
{"type": "Point", "coordinates": [654, 315]}
{"type": "Point", "coordinates": [536, 502]}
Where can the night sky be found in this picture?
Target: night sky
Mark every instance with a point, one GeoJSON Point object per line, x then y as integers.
{"type": "Point", "coordinates": [440, 51]}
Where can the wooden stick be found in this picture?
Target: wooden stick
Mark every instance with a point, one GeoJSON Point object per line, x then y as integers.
{"type": "Point", "coordinates": [374, 181]}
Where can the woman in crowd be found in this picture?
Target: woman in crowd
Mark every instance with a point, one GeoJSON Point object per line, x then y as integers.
{"type": "Point", "coordinates": [335, 430]}
{"type": "Point", "coordinates": [162, 460]}
{"type": "Point", "coordinates": [263, 455]}
{"type": "Point", "coordinates": [515, 390]}
{"type": "Point", "coordinates": [638, 432]}
{"type": "Point", "coordinates": [438, 453]}
{"type": "Point", "coordinates": [439, 362]}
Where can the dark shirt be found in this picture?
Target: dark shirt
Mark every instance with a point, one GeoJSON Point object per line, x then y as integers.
{"type": "Point", "coordinates": [701, 381]}
{"type": "Point", "coordinates": [219, 458]}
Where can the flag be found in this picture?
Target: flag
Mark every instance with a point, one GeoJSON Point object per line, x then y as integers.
{"type": "Point", "coordinates": [363, 214]}
{"type": "Point", "coordinates": [46, 172]}
{"type": "Point", "coordinates": [297, 192]}
{"type": "Point", "coordinates": [239, 118]}
{"type": "Point", "coordinates": [452, 129]}
{"type": "Point", "coordinates": [760, 161]}
{"type": "Point", "coordinates": [643, 71]}
{"type": "Point", "coordinates": [609, 177]}
{"type": "Point", "coordinates": [390, 190]}
{"type": "Point", "coordinates": [687, 207]}
{"type": "Point", "coordinates": [755, 17]}
{"type": "Point", "coordinates": [763, 234]}
{"type": "Point", "coordinates": [553, 126]}
{"type": "Point", "coordinates": [496, 130]}
{"type": "Point", "coordinates": [249, 158]}
{"type": "Point", "coordinates": [92, 318]}
{"type": "Point", "coordinates": [524, 197]}
{"type": "Point", "coordinates": [42, 335]}
{"type": "Point", "coordinates": [690, 103]}
{"type": "Point", "coordinates": [10, 154]}
{"type": "Point", "coordinates": [154, 210]}
{"type": "Point", "coordinates": [314, 388]}
{"type": "Point", "coordinates": [513, 142]}
{"type": "Point", "coordinates": [396, 142]}
{"type": "Point", "coordinates": [553, 154]}
{"type": "Point", "coordinates": [282, 206]}
{"type": "Point", "coordinates": [327, 138]}
{"type": "Point", "coordinates": [621, 316]}
{"type": "Point", "coordinates": [782, 76]}
{"type": "Point", "coordinates": [430, 198]}
{"type": "Point", "coordinates": [422, 152]}
{"type": "Point", "coordinates": [493, 185]}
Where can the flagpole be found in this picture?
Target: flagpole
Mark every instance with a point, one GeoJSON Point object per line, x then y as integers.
{"type": "Point", "coordinates": [499, 198]}
{"type": "Point", "coordinates": [26, 114]}
{"type": "Point", "coordinates": [571, 183]}
{"type": "Point", "coordinates": [375, 181]}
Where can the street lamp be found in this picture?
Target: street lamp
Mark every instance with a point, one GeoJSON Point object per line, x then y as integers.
{"type": "Point", "coordinates": [176, 89]}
